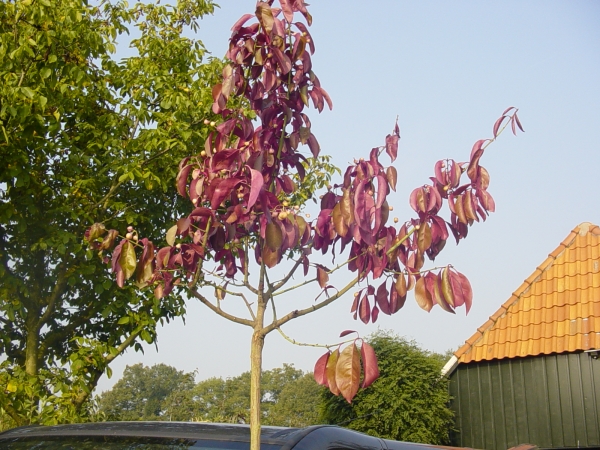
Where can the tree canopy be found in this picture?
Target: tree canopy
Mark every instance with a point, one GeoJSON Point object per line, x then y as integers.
{"type": "Point", "coordinates": [408, 402]}
{"type": "Point", "coordinates": [86, 138]}
{"type": "Point", "coordinates": [289, 397]}
{"type": "Point", "coordinates": [140, 394]}
{"type": "Point", "coordinates": [239, 185]}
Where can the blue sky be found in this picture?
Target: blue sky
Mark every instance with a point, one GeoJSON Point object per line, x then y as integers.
{"type": "Point", "coordinates": [447, 70]}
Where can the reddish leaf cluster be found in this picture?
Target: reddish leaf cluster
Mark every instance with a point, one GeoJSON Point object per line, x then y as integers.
{"type": "Point", "coordinates": [340, 371]}
{"type": "Point", "coordinates": [238, 182]}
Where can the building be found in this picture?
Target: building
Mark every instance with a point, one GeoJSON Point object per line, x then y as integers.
{"type": "Point", "coordinates": [531, 373]}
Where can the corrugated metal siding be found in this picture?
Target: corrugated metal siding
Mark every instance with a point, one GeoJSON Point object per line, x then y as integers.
{"type": "Point", "coordinates": [552, 401]}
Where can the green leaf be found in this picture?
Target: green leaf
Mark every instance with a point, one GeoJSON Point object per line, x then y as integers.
{"type": "Point", "coordinates": [27, 92]}
{"type": "Point", "coordinates": [123, 320]}
{"type": "Point", "coordinates": [127, 260]}
{"type": "Point", "coordinates": [12, 386]}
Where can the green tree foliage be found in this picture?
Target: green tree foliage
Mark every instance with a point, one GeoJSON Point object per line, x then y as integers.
{"type": "Point", "coordinates": [141, 393]}
{"type": "Point", "coordinates": [297, 405]}
{"type": "Point", "coordinates": [289, 397]}
{"type": "Point", "coordinates": [84, 138]}
{"type": "Point", "coordinates": [409, 401]}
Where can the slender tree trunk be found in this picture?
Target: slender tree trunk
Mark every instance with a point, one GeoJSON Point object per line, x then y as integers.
{"type": "Point", "coordinates": [32, 344]}
{"type": "Point", "coordinates": [258, 342]}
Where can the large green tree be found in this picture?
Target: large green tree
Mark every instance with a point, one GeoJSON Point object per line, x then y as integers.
{"type": "Point", "coordinates": [84, 138]}
{"type": "Point", "coordinates": [141, 393]}
{"type": "Point", "coordinates": [408, 402]}
{"type": "Point", "coordinates": [289, 397]}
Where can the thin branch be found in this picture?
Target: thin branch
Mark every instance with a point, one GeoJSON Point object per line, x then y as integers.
{"type": "Point", "coordinates": [290, 274]}
{"type": "Point", "coordinates": [247, 284]}
{"type": "Point", "coordinates": [298, 313]}
{"type": "Point", "coordinates": [304, 344]}
{"type": "Point", "coordinates": [261, 280]}
{"type": "Point", "coordinates": [57, 292]}
{"type": "Point", "coordinates": [124, 345]}
{"type": "Point", "coordinates": [83, 395]}
{"type": "Point", "coordinates": [399, 243]}
{"type": "Point", "coordinates": [6, 404]}
{"type": "Point", "coordinates": [219, 311]}
{"type": "Point", "coordinates": [312, 280]}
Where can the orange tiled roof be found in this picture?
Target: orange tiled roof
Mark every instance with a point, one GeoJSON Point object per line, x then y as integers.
{"type": "Point", "coordinates": [555, 310]}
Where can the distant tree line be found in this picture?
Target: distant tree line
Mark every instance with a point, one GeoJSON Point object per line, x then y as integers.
{"type": "Point", "coordinates": [409, 402]}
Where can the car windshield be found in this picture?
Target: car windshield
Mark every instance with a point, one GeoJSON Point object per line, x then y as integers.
{"type": "Point", "coordinates": [122, 443]}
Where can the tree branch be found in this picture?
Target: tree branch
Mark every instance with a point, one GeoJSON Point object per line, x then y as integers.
{"type": "Point", "coordinates": [285, 279]}
{"type": "Point", "coordinates": [83, 395]}
{"type": "Point", "coordinates": [57, 292]}
{"type": "Point", "coordinates": [247, 284]}
{"type": "Point", "coordinates": [219, 311]}
{"type": "Point", "coordinates": [6, 404]}
{"type": "Point", "coordinates": [298, 313]}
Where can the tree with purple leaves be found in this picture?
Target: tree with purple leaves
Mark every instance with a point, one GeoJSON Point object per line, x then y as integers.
{"type": "Point", "coordinates": [239, 187]}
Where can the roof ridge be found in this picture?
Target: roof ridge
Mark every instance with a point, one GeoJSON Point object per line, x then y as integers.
{"type": "Point", "coordinates": [580, 230]}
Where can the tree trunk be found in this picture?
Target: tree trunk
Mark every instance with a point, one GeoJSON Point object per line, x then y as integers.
{"type": "Point", "coordinates": [32, 344]}
{"type": "Point", "coordinates": [258, 342]}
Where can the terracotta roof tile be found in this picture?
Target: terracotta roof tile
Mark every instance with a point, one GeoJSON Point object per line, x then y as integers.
{"type": "Point", "coordinates": [556, 309]}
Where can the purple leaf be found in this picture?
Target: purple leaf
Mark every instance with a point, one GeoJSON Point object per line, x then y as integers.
{"type": "Point", "coordinates": [346, 332]}
{"type": "Point", "coordinates": [391, 146]}
{"type": "Point", "coordinates": [220, 189]}
{"type": "Point", "coordinates": [256, 184]}
{"type": "Point", "coordinates": [241, 21]}
{"type": "Point", "coordinates": [369, 363]}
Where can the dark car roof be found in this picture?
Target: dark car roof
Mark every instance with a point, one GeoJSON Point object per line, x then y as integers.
{"type": "Point", "coordinates": [185, 430]}
{"type": "Point", "coordinates": [287, 438]}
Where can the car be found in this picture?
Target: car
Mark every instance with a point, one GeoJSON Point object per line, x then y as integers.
{"type": "Point", "coordinates": [191, 435]}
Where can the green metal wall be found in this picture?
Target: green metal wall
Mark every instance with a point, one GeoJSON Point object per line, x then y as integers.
{"type": "Point", "coordinates": [552, 401]}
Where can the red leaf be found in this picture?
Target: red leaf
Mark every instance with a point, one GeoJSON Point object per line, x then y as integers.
{"type": "Point", "coordinates": [273, 236]}
{"type": "Point", "coordinates": [265, 16]}
{"type": "Point", "coordinates": [391, 146]}
{"type": "Point", "coordinates": [220, 189]}
{"type": "Point", "coordinates": [346, 332]}
{"type": "Point", "coordinates": [327, 98]}
{"type": "Point", "coordinates": [364, 310]}
{"type": "Point", "coordinates": [516, 119]}
{"type": "Point", "coordinates": [282, 59]}
{"type": "Point", "coordinates": [256, 184]}
{"type": "Point", "coordinates": [374, 313]}
{"type": "Point", "coordinates": [369, 362]}
{"type": "Point", "coordinates": [241, 21]}
{"type": "Point", "coordinates": [181, 180]}
{"type": "Point", "coordinates": [330, 371]}
{"type": "Point", "coordinates": [322, 276]}
{"type": "Point", "coordinates": [145, 267]}
{"type": "Point", "coordinates": [320, 372]}
{"type": "Point", "coordinates": [446, 286]}
{"type": "Point", "coordinates": [392, 177]}
{"type": "Point", "coordinates": [313, 144]}
{"type": "Point", "coordinates": [382, 299]}
{"type": "Point", "coordinates": [422, 295]}
{"type": "Point", "coordinates": [467, 291]}
{"type": "Point", "coordinates": [497, 125]}
{"type": "Point", "coordinates": [437, 295]}
{"type": "Point", "coordinates": [287, 10]}
{"type": "Point", "coordinates": [347, 372]}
